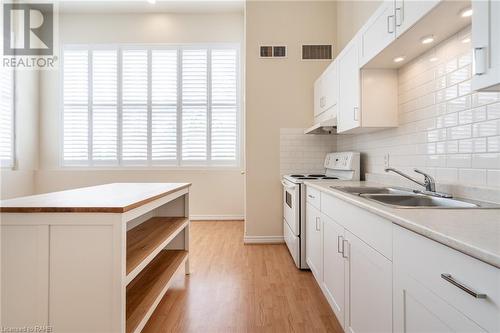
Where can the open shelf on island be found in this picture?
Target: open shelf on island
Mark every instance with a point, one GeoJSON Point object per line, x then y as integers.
{"type": "Point", "coordinates": [146, 240]}
{"type": "Point", "coordinates": [147, 289]}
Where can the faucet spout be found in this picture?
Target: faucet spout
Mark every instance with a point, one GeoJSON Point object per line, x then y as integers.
{"type": "Point", "coordinates": [428, 183]}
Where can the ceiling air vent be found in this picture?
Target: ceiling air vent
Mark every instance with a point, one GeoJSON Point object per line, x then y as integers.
{"type": "Point", "coordinates": [272, 51]}
{"type": "Point", "coordinates": [317, 52]}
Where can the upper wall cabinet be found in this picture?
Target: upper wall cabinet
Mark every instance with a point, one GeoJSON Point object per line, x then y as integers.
{"type": "Point", "coordinates": [486, 45]}
{"type": "Point", "coordinates": [325, 90]}
{"type": "Point", "coordinates": [407, 13]}
{"type": "Point", "coordinates": [378, 32]}
{"type": "Point", "coordinates": [367, 97]}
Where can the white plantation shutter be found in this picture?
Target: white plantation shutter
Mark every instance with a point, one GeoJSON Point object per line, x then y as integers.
{"type": "Point", "coordinates": [135, 105]}
{"type": "Point", "coordinates": [6, 117]}
{"type": "Point", "coordinates": [224, 126]}
{"type": "Point", "coordinates": [194, 104]}
{"type": "Point", "coordinates": [151, 106]}
{"type": "Point", "coordinates": [164, 105]}
{"type": "Point", "coordinates": [76, 105]}
{"type": "Point", "coordinates": [104, 105]}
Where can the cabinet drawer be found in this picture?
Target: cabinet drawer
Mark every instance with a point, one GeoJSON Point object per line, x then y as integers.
{"type": "Point", "coordinates": [313, 196]}
{"type": "Point", "coordinates": [372, 229]}
{"type": "Point", "coordinates": [426, 260]}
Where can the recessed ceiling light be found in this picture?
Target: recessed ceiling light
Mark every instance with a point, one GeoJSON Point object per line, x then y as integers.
{"type": "Point", "coordinates": [466, 12]}
{"type": "Point", "coordinates": [399, 59]}
{"type": "Point", "coordinates": [433, 59]}
{"type": "Point", "coordinates": [427, 39]}
{"type": "Point", "coordinates": [466, 40]}
{"type": "Point", "coordinates": [151, 1]}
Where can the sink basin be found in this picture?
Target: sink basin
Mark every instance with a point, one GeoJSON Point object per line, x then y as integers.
{"type": "Point", "coordinates": [370, 190]}
{"type": "Point", "coordinates": [417, 200]}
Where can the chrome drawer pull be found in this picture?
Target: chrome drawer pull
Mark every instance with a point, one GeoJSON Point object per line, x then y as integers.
{"type": "Point", "coordinates": [454, 282]}
{"type": "Point", "coordinates": [339, 242]}
{"type": "Point", "coordinates": [311, 196]}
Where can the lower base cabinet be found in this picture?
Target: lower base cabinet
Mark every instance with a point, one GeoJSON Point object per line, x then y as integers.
{"type": "Point", "coordinates": [369, 288]}
{"type": "Point", "coordinates": [417, 309]}
{"type": "Point", "coordinates": [334, 265]}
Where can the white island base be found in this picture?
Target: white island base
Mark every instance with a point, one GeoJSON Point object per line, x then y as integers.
{"type": "Point", "coordinates": [95, 259]}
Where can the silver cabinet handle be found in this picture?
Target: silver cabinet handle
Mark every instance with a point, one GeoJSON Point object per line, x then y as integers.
{"type": "Point", "coordinates": [311, 196]}
{"type": "Point", "coordinates": [318, 227]}
{"type": "Point", "coordinates": [399, 13]}
{"type": "Point", "coordinates": [340, 241]}
{"type": "Point", "coordinates": [454, 282]}
{"type": "Point", "coordinates": [344, 242]}
{"type": "Point", "coordinates": [389, 31]}
{"type": "Point", "coordinates": [479, 61]}
{"type": "Point", "coordinates": [356, 111]}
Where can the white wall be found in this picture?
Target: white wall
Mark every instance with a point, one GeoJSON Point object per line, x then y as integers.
{"type": "Point", "coordinates": [20, 181]}
{"type": "Point", "coordinates": [214, 192]}
{"type": "Point", "coordinates": [279, 94]}
{"type": "Point", "coordinates": [443, 128]}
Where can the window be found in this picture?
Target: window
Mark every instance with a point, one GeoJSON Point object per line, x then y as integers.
{"type": "Point", "coordinates": [151, 106]}
{"type": "Point", "coordinates": [6, 117]}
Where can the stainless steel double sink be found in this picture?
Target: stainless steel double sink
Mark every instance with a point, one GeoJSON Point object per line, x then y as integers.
{"type": "Point", "coordinates": [407, 198]}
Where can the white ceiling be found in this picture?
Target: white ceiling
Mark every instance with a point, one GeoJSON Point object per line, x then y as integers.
{"type": "Point", "coordinates": [142, 6]}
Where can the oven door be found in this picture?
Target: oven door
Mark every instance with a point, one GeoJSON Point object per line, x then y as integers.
{"type": "Point", "coordinates": [291, 204]}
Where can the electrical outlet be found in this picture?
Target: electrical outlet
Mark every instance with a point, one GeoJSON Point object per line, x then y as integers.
{"type": "Point", "coordinates": [386, 160]}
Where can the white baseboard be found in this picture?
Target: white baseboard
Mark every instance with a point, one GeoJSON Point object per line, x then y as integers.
{"type": "Point", "coordinates": [263, 239]}
{"type": "Point", "coordinates": [216, 217]}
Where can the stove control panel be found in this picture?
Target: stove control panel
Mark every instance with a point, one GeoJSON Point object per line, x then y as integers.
{"type": "Point", "coordinates": [342, 161]}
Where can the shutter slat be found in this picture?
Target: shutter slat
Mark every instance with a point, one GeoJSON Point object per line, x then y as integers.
{"type": "Point", "coordinates": [194, 105]}
{"type": "Point", "coordinates": [135, 98]}
{"type": "Point", "coordinates": [104, 109]}
{"type": "Point", "coordinates": [75, 91]}
{"type": "Point", "coordinates": [224, 105]}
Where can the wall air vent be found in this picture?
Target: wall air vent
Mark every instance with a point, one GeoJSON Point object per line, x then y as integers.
{"type": "Point", "coordinates": [317, 52]}
{"type": "Point", "coordinates": [273, 51]}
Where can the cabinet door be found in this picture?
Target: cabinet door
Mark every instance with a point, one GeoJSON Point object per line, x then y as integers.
{"type": "Point", "coordinates": [348, 104]}
{"type": "Point", "coordinates": [417, 309]}
{"type": "Point", "coordinates": [318, 96]}
{"type": "Point", "coordinates": [368, 288]}
{"type": "Point", "coordinates": [330, 86]}
{"type": "Point", "coordinates": [486, 45]}
{"type": "Point", "coordinates": [314, 245]}
{"type": "Point", "coordinates": [25, 275]}
{"type": "Point", "coordinates": [409, 12]}
{"type": "Point", "coordinates": [378, 32]}
{"type": "Point", "coordinates": [333, 267]}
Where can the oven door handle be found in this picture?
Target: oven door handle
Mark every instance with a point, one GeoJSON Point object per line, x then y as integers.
{"type": "Point", "coordinates": [285, 185]}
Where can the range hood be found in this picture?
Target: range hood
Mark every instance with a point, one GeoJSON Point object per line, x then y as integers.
{"type": "Point", "coordinates": [328, 126]}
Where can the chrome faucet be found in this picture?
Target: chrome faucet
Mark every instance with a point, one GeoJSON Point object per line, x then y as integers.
{"type": "Point", "coordinates": [429, 183]}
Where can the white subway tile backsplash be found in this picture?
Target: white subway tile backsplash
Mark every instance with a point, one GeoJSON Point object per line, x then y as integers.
{"type": "Point", "coordinates": [301, 152]}
{"type": "Point", "coordinates": [472, 176]}
{"type": "Point", "coordinates": [445, 127]}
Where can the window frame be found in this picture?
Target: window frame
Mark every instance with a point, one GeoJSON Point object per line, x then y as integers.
{"type": "Point", "coordinates": [12, 163]}
{"type": "Point", "coordinates": [178, 163]}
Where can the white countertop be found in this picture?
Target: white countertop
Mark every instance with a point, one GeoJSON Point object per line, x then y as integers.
{"type": "Point", "coordinates": [475, 232]}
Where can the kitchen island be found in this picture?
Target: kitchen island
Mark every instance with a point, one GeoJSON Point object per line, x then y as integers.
{"type": "Point", "coordinates": [93, 259]}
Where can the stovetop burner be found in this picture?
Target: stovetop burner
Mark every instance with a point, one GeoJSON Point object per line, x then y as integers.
{"type": "Point", "coordinates": [297, 176]}
{"type": "Point", "coordinates": [307, 177]}
{"type": "Point", "coordinates": [329, 178]}
{"type": "Point", "coordinates": [316, 175]}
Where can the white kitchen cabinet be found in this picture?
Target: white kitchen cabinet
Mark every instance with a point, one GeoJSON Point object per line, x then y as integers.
{"type": "Point", "coordinates": [348, 110]}
{"type": "Point", "coordinates": [417, 309]}
{"type": "Point", "coordinates": [378, 32]}
{"type": "Point", "coordinates": [409, 12]}
{"type": "Point", "coordinates": [333, 267]}
{"type": "Point", "coordinates": [439, 289]}
{"type": "Point", "coordinates": [486, 45]}
{"type": "Point", "coordinates": [325, 95]}
{"type": "Point", "coordinates": [314, 241]}
{"type": "Point", "coordinates": [369, 288]}
{"type": "Point", "coordinates": [367, 98]}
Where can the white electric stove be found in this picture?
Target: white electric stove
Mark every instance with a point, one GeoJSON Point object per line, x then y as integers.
{"type": "Point", "coordinates": [338, 166]}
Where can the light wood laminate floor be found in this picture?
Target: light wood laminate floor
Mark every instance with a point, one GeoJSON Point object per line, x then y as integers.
{"type": "Point", "coordinates": [241, 288]}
